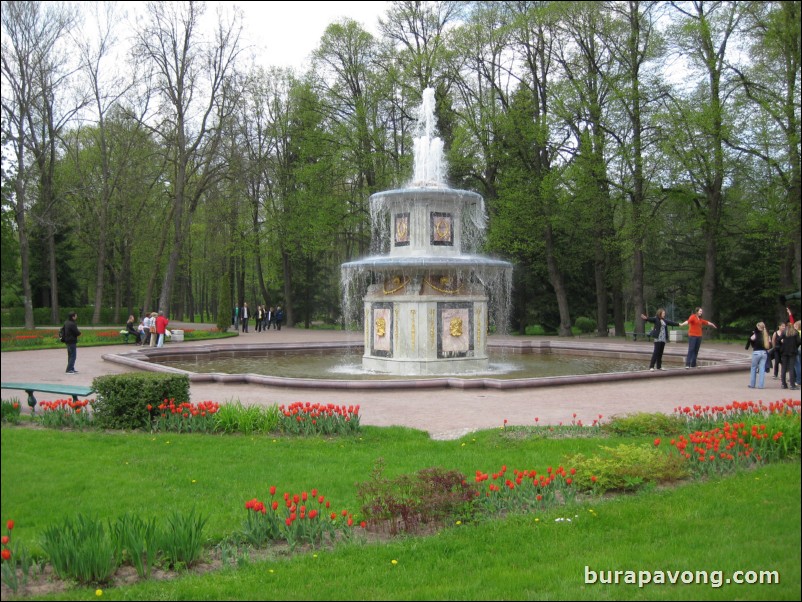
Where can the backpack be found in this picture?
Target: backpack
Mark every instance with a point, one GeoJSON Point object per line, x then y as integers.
{"type": "Point", "coordinates": [61, 334]}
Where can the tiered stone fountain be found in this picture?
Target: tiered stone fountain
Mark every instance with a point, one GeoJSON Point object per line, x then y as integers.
{"type": "Point", "coordinates": [430, 298]}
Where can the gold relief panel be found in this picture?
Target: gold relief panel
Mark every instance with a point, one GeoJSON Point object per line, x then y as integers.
{"type": "Point", "coordinates": [455, 329]}
{"type": "Point", "coordinates": [442, 229]}
{"type": "Point", "coordinates": [381, 331]}
{"type": "Point", "coordinates": [401, 229]}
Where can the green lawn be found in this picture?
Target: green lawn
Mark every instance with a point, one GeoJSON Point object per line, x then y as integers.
{"type": "Point", "coordinates": [749, 521]}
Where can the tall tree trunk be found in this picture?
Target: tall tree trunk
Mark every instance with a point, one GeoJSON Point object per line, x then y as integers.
{"type": "Point", "coordinates": [558, 283]}
{"type": "Point", "coordinates": [51, 254]}
{"type": "Point", "coordinates": [287, 268]}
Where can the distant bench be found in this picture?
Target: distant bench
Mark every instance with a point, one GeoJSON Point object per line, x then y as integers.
{"type": "Point", "coordinates": [634, 336]}
{"type": "Point", "coordinates": [73, 391]}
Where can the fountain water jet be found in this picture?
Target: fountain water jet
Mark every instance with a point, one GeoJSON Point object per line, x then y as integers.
{"type": "Point", "coordinates": [428, 297]}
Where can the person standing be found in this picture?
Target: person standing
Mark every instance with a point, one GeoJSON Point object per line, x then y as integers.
{"type": "Point", "coordinates": [660, 336]}
{"type": "Point", "coordinates": [161, 328]}
{"type": "Point", "coordinates": [259, 318]}
{"type": "Point", "coordinates": [760, 344]}
{"type": "Point", "coordinates": [154, 336]}
{"type": "Point", "coordinates": [789, 346]}
{"type": "Point", "coordinates": [695, 323]}
{"type": "Point", "coordinates": [776, 353]}
{"type": "Point", "coordinates": [244, 315]}
{"type": "Point", "coordinates": [71, 334]}
{"type": "Point", "coordinates": [279, 317]}
{"type": "Point", "coordinates": [147, 326]}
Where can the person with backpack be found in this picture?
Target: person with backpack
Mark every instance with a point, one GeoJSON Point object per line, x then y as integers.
{"type": "Point", "coordinates": [70, 339]}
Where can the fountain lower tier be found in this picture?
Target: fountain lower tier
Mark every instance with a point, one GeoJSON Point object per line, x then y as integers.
{"type": "Point", "coordinates": [427, 316]}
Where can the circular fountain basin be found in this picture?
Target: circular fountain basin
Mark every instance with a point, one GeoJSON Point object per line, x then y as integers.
{"type": "Point", "coordinates": [151, 359]}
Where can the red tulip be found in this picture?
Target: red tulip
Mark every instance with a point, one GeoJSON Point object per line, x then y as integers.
{"type": "Point", "coordinates": [6, 554]}
{"type": "Point", "coordinates": [10, 525]}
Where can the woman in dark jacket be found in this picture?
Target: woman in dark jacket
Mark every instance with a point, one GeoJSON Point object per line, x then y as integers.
{"type": "Point", "coordinates": [788, 347]}
{"type": "Point", "coordinates": [660, 336]}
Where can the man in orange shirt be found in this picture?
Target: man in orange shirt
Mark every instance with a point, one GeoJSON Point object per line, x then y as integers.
{"type": "Point", "coordinates": [695, 323]}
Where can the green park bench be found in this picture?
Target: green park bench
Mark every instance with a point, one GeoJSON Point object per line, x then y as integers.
{"type": "Point", "coordinates": [73, 391]}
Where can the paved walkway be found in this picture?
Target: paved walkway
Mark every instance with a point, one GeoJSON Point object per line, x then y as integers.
{"type": "Point", "coordinates": [444, 413]}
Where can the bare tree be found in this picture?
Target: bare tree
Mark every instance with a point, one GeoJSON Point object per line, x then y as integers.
{"type": "Point", "coordinates": [196, 81]}
{"type": "Point", "coordinates": [34, 78]}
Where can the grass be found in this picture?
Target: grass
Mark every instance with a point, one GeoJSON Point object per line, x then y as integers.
{"type": "Point", "coordinates": [18, 339]}
{"type": "Point", "coordinates": [749, 521]}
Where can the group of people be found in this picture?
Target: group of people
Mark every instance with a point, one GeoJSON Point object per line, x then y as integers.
{"type": "Point", "coordinates": [781, 348]}
{"type": "Point", "coordinates": [151, 330]}
{"type": "Point", "coordinates": [660, 336]}
{"type": "Point", "coordinates": [264, 317]}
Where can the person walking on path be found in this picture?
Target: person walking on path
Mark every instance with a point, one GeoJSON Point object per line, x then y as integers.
{"type": "Point", "coordinates": [71, 334]}
{"type": "Point", "coordinates": [789, 347]}
{"type": "Point", "coordinates": [244, 315]}
{"type": "Point", "coordinates": [161, 328]}
{"type": "Point", "coordinates": [695, 323]}
{"type": "Point", "coordinates": [760, 344]}
{"type": "Point", "coordinates": [660, 335]}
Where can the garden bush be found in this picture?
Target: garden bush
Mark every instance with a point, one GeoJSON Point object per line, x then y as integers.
{"type": "Point", "coordinates": [585, 325]}
{"type": "Point", "coordinates": [123, 399]}
{"type": "Point", "coordinates": [644, 424]}
{"type": "Point", "coordinates": [626, 468]}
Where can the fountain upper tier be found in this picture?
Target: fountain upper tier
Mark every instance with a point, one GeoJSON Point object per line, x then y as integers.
{"type": "Point", "coordinates": [427, 222]}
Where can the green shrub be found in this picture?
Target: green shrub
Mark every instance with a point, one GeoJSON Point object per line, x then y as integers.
{"type": "Point", "coordinates": [123, 399]}
{"type": "Point", "coordinates": [15, 316]}
{"type": "Point", "coordinates": [626, 468]}
{"type": "Point", "coordinates": [585, 325]}
{"type": "Point", "coordinates": [644, 424]}
{"type": "Point", "coordinates": [534, 330]}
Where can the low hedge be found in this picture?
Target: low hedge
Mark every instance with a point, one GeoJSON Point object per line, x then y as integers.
{"type": "Point", "coordinates": [123, 399]}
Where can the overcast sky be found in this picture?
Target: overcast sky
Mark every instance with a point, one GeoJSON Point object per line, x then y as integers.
{"type": "Point", "coordinates": [285, 33]}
